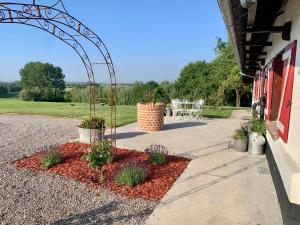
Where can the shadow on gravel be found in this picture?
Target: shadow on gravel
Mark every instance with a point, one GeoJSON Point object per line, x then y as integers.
{"type": "Point", "coordinates": [107, 214]}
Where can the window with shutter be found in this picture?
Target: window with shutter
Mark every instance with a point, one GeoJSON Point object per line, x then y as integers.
{"type": "Point", "coordinates": [269, 87]}
{"type": "Point", "coordinates": [288, 58]}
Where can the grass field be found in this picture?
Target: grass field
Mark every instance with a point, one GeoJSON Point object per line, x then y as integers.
{"type": "Point", "coordinates": [125, 114]}
{"type": "Point", "coordinates": [216, 112]}
{"type": "Point", "coordinates": [9, 103]}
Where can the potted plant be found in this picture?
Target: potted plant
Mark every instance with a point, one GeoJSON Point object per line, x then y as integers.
{"type": "Point", "coordinates": [257, 140]}
{"type": "Point", "coordinates": [91, 130]}
{"type": "Point", "coordinates": [241, 139]}
{"type": "Point", "coordinates": [150, 115]}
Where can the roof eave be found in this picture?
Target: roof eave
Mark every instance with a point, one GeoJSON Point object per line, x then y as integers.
{"type": "Point", "coordinates": [226, 10]}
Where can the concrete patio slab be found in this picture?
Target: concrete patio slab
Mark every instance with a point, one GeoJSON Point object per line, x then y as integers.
{"type": "Point", "coordinates": [220, 186]}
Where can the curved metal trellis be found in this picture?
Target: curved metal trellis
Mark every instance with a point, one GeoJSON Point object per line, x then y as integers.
{"type": "Point", "coordinates": [56, 21]}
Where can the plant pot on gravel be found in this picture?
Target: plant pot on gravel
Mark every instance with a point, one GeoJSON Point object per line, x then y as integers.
{"type": "Point", "coordinates": [240, 139]}
{"type": "Point", "coordinates": [257, 138]}
{"type": "Point", "coordinates": [91, 130]}
{"type": "Point", "coordinates": [150, 116]}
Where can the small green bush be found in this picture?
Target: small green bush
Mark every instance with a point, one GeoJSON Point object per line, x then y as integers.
{"type": "Point", "coordinates": [157, 154]}
{"type": "Point", "coordinates": [240, 134]}
{"type": "Point", "coordinates": [131, 175]}
{"type": "Point", "coordinates": [93, 123]}
{"type": "Point", "coordinates": [51, 159]}
{"type": "Point", "coordinates": [157, 158]}
{"type": "Point", "coordinates": [258, 126]}
{"type": "Point", "coordinates": [254, 113]}
{"type": "Point", "coordinates": [100, 155]}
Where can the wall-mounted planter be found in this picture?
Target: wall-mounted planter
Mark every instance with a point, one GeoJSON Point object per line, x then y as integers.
{"type": "Point", "coordinates": [150, 116]}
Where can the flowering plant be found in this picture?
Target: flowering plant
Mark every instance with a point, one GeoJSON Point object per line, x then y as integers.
{"type": "Point", "coordinates": [157, 154]}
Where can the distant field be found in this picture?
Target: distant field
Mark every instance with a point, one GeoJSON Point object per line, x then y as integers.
{"type": "Point", "coordinates": [125, 114]}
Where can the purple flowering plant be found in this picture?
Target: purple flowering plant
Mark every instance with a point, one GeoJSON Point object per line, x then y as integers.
{"type": "Point", "coordinates": [157, 154]}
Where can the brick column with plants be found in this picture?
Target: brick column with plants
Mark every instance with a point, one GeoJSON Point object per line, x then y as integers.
{"type": "Point", "coordinates": [150, 116]}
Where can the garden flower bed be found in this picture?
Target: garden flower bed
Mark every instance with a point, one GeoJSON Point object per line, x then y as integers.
{"type": "Point", "coordinates": [158, 182]}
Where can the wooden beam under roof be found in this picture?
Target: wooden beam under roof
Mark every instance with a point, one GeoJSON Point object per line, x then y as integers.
{"type": "Point", "coordinates": [260, 43]}
{"type": "Point", "coordinates": [252, 52]}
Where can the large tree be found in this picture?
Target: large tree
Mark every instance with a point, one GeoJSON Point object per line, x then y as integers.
{"type": "Point", "coordinates": [42, 82]}
{"type": "Point", "coordinates": [219, 82]}
{"type": "Point", "coordinates": [194, 81]}
{"type": "Point", "coordinates": [228, 74]}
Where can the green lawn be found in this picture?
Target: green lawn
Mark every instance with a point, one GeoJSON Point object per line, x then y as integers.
{"type": "Point", "coordinates": [217, 112]}
{"type": "Point", "coordinates": [125, 114]}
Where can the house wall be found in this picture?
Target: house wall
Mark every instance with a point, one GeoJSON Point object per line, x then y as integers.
{"type": "Point", "coordinates": [287, 155]}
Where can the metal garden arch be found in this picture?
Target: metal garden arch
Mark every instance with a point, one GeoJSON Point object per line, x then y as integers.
{"type": "Point", "coordinates": [56, 20]}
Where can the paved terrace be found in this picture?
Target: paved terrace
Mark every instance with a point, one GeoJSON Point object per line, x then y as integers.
{"type": "Point", "coordinates": [220, 186]}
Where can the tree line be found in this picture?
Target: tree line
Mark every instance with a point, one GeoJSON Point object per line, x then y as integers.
{"type": "Point", "coordinates": [6, 87]}
{"type": "Point", "coordinates": [218, 82]}
{"type": "Point", "coordinates": [126, 94]}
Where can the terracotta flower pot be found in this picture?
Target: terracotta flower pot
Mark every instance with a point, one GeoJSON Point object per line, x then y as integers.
{"type": "Point", "coordinates": [150, 116]}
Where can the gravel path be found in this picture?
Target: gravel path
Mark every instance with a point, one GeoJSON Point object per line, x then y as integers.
{"type": "Point", "coordinates": [37, 198]}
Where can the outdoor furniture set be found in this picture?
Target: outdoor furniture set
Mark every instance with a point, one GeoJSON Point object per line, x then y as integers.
{"type": "Point", "coordinates": [187, 110]}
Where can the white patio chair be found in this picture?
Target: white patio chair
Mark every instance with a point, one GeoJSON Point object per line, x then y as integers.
{"type": "Point", "coordinates": [176, 107]}
{"type": "Point", "coordinates": [196, 111]}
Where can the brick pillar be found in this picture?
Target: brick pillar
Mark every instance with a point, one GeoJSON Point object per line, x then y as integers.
{"type": "Point", "coordinates": [150, 116]}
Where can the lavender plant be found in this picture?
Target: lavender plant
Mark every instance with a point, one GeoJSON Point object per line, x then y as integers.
{"type": "Point", "coordinates": [132, 174]}
{"type": "Point", "coordinates": [157, 154]}
{"type": "Point", "coordinates": [52, 156]}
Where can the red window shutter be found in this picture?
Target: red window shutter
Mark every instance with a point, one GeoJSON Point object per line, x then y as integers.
{"type": "Point", "coordinates": [259, 87]}
{"type": "Point", "coordinates": [262, 83]}
{"type": "Point", "coordinates": [283, 122]}
{"type": "Point", "coordinates": [265, 80]}
{"type": "Point", "coordinates": [269, 87]}
{"type": "Point", "coordinates": [254, 90]}
{"type": "Point", "coordinates": [256, 86]}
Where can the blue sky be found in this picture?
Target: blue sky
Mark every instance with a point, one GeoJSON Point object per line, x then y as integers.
{"type": "Point", "coordinates": [148, 40]}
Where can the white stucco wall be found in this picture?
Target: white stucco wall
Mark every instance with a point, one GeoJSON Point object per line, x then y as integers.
{"type": "Point", "coordinates": [287, 156]}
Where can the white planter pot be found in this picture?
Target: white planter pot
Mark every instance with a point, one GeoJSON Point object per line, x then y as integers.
{"type": "Point", "coordinates": [256, 144]}
{"type": "Point", "coordinates": [241, 145]}
{"type": "Point", "coordinates": [87, 135]}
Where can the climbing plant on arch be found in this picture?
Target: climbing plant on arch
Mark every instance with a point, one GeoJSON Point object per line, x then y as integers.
{"type": "Point", "coordinates": [58, 22]}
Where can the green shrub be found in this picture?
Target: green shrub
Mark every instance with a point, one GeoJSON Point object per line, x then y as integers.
{"type": "Point", "coordinates": [157, 154]}
{"type": "Point", "coordinates": [93, 123]}
{"type": "Point", "coordinates": [131, 175]}
{"type": "Point", "coordinates": [100, 155]}
{"type": "Point", "coordinates": [240, 134]}
{"type": "Point", "coordinates": [258, 126]}
{"type": "Point", "coordinates": [51, 159]}
{"type": "Point", "coordinates": [254, 113]}
{"type": "Point", "coordinates": [30, 95]}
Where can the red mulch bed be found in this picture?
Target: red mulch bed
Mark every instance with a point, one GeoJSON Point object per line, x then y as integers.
{"type": "Point", "coordinates": [159, 181]}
